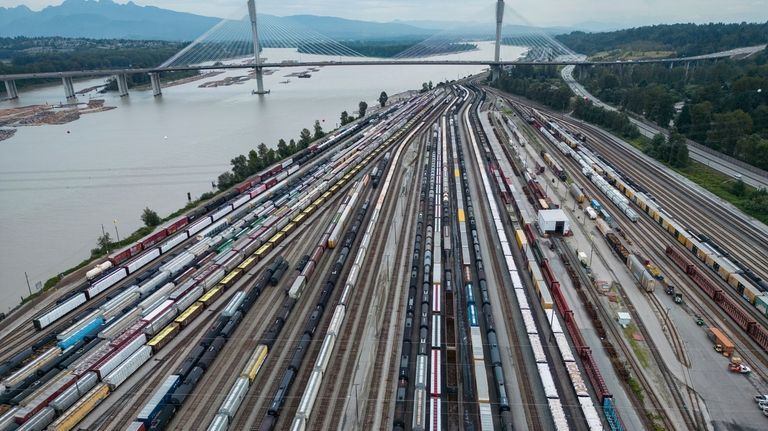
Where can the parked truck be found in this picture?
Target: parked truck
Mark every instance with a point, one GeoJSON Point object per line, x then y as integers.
{"type": "Point", "coordinates": [721, 342]}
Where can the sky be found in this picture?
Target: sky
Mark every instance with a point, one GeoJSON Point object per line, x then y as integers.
{"type": "Point", "coordinates": [537, 12]}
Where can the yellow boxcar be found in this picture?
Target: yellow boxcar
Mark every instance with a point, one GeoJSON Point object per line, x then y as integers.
{"type": "Point", "coordinates": [456, 172]}
{"type": "Point", "coordinates": [189, 314]}
{"type": "Point", "coordinates": [164, 336]}
{"type": "Point", "coordinates": [299, 218]}
{"type": "Point", "coordinates": [725, 271]}
{"type": "Point", "coordinates": [263, 250]}
{"type": "Point", "coordinates": [211, 295]}
{"type": "Point", "coordinates": [326, 195]}
{"type": "Point", "coordinates": [81, 409]}
{"type": "Point", "coordinates": [461, 215]}
{"type": "Point", "coordinates": [521, 240]}
{"type": "Point", "coordinates": [334, 188]}
{"type": "Point", "coordinates": [276, 239]}
{"type": "Point", "coordinates": [230, 278]}
{"type": "Point", "coordinates": [288, 228]}
{"type": "Point", "coordinates": [309, 210]}
{"type": "Point", "coordinates": [750, 292]}
{"type": "Point", "coordinates": [682, 239]}
{"type": "Point", "coordinates": [247, 263]}
{"type": "Point", "coordinates": [252, 367]}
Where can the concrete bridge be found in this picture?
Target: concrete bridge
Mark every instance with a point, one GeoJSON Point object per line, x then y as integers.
{"type": "Point", "coordinates": [258, 64]}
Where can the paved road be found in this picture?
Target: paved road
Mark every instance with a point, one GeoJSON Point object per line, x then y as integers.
{"type": "Point", "coordinates": [697, 151]}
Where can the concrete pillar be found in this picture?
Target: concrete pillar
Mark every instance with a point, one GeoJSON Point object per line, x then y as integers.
{"type": "Point", "coordinates": [69, 89]}
{"type": "Point", "coordinates": [256, 49]}
{"type": "Point", "coordinates": [10, 88]}
{"type": "Point", "coordinates": [154, 77]}
{"type": "Point", "coordinates": [122, 85]}
{"type": "Point", "coordinates": [499, 20]}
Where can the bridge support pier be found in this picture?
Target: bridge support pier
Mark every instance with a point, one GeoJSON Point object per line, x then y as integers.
{"type": "Point", "coordinates": [154, 78]}
{"type": "Point", "coordinates": [256, 50]}
{"type": "Point", "coordinates": [69, 89]}
{"type": "Point", "coordinates": [122, 84]}
{"type": "Point", "coordinates": [10, 89]}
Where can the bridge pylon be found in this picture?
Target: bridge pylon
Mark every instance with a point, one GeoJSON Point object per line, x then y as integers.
{"type": "Point", "coordinates": [256, 50]}
{"type": "Point", "coordinates": [496, 68]}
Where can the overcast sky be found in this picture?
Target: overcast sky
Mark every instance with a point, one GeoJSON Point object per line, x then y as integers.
{"type": "Point", "coordinates": [537, 12]}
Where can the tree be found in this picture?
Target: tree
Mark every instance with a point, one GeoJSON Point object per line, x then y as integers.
{"type": "Point", "coordinates": [150, 217]}
{"type": "Point", "coordinates": [254, 162]}
{"type": "Point", "coordinates": [305, 137]}
{"type": "Point", "coordinates": [226, 180]}
{"type": "Point", "coordinates": [429, 85]}
{"type": "Point", "coordinates": [240, 167]}
{"type": "Point", "coordinates": [679, 157]}
{"type": "Point", "coordinates": [104, 241]}
{"type": "Point", "coordinates": [282, 149]}
{"type": "Point", "coordinates": [344, 117]}
{"type": "Point", "coordinates": [362, 107]}
{"type": "Point", "coordinates": [318, 131]}
{"type": "Point", "coordinates": [424, 87]}
{"type": "Point", "coordinates": [383, 98]}
{"type": "Point", "coordinates": [739, 188]}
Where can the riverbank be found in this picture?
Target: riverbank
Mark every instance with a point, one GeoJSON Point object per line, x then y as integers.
{"type": "Point", "coordinates": [38, 115]}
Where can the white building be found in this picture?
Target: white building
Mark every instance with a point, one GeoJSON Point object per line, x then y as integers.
{"type": "Point", "coordinates": [553, 221]}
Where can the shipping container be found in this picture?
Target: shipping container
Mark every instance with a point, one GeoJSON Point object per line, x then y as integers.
{"type": "Point", "coordinates": [159, 398]}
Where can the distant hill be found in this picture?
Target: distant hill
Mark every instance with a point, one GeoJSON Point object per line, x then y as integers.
{"type": "Point", "coordinates": [680, 39]}
{"type": "Point", "coordinates": [103, 19]}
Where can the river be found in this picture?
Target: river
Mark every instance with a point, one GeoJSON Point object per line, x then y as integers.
{"type": "Point", "coordinates": [61, 184]}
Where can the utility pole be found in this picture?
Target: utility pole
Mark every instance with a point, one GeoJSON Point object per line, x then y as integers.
{"type": "Point", "coordinates": [28, 286]}
{"type": "Point", "coordinates": [117, 234]}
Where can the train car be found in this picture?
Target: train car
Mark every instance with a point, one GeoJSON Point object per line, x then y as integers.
{"type": "Point", "coordinates": [164, 337]}
{"type": "Point", "coordinates": [81, 409]}
{"type": "Point", "coordinates": [58, 311]}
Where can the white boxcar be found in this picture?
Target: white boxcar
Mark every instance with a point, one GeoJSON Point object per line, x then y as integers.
{"type": "Point", "coordinates": [336, 320]}
{"type": "Point", "coordinates": [481, 377]}
{"type": "Point", "coordinates": [59, 311]}
{"type": "Point", "coordinates": [119, 356]}
{"type": "Point", "coordinates": [477, 342]}
{"type": "Point", "coordinates": [310, 394]}
{"type": "Point", "coordinates": [436, 331]}
{"type": "Point", "coordinates": [142, 260]}
{"type": "Point", "coordinates": [198, 226]}
{"type": "Point", "coordinates": [127, 368]}
{"type": "Point", "coordinates": [422, 361]}
{"type": "Point", "coordinates": [235, 397]}
{"type": "Point", "coordinates": [39, 421]}
{"type": "Point", "coordinates": [326, 350]}
{"type": "Point", "coordinates": [297, 287]}
{"type": "Point", "coordinates": [159, 310]}
{"type": "Point", "coordinates": [173, 242]}
{"type": "Point", "coordinates": [106, 282]}
{"type": "Point", "coordinates": [69, 397]}
{"type": "Point", "coordinates": [565, 350]}
{"type": "Point", "coordinates": [579, 386]}
{"type": "Point", "coordinates": [220, 423]}
{"type": "Point", "coordinates": [486, 417]}
{"type": "Point", "coordinates": [419, 409]}
{"type": "Point", "coordinates": [553, 321]}
{"type": "Point", "coordinates": [159, 322]}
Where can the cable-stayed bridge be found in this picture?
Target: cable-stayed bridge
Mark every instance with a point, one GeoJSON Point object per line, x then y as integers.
{"type": "Point", "coordinates": [242, 43]}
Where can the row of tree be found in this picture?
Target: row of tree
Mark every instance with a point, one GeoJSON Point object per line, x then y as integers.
{"type": "Point", "coordinates": [725, 103]}
{"type": "Point", "coordinates": [683, 39]}
{"type": "Point", "coordinates": [540, 83]}
{"type": "Point", "coordinates": [672, 150]}
{"type": "Point", "coordinates": [616, 122]}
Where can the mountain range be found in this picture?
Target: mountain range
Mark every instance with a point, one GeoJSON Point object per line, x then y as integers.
{"type": "Point", "coordinates": [105, 19]}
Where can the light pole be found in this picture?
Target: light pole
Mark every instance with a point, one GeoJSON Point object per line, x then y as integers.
{"type": "Point", "coordinates": [591, 248]}
{"type": "Point", "coordinates": [116, 232]}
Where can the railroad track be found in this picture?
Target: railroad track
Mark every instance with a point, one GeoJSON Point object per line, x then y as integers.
{"type": "Point", "coordinates": [394, 306]}
{"type": "Point", "coordinates": [654, 399]}
{"type": "Point", "coordinates": [534, 419]}
{"type": "Point", "coordinates": [665, 186]}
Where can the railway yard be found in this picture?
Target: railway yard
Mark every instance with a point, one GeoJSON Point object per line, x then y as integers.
{"type": "Point", "coordinates": [461, 259]}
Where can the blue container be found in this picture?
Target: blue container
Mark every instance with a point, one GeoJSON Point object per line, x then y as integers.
{"type": "Point", "coordinates": [159, 399]}
{"type": "Point", "coordinates": [470, 294]}
{"type": "Point", "coordinates": [85, 331]}
{"type": "Point", "coordinates": [596, 205]}
{"type": "Point", "coordinates": [472, 315]}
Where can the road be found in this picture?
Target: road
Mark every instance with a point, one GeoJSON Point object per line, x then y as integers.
{"type": "Point", "coordinates": [733, 168]}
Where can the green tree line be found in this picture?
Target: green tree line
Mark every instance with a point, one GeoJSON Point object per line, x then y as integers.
{"type": "Point", "coordinates": [725, 103]}
{"type": "Point", "coordinates": [682, 39]}
{"type": "Point", "coordinates": [540, 83]}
